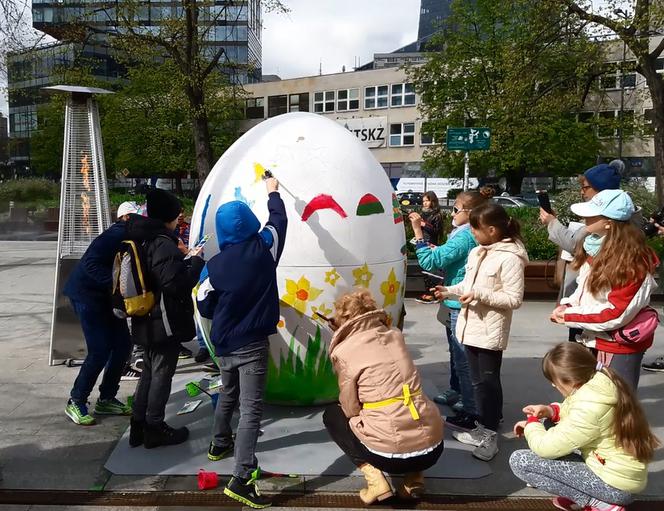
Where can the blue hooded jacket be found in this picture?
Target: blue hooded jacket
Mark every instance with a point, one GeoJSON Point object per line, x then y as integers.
{"type": "Point", "coordinates": [240, 292]}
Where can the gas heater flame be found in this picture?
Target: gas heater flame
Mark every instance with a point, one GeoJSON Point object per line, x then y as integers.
{"type": "Point", "coordinates": [85, 201]}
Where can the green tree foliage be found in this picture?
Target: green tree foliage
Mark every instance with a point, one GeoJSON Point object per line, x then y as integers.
{"type": "Point", "coordinates": [521, 68]}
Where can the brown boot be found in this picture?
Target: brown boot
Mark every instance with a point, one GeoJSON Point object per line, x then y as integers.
{"type": "Point", "coordinates": [377, 486]}
{"type": "Point", "coordinates": [413, 486]}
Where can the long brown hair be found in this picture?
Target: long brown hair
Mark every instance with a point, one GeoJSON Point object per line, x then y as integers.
{"type": "Point", "coordinates": [623, 258]}
{"type": "Point", "coordinates": [494, 215]}
{"type": "Point", "coordinates": [474, 198]}
{"type": "Point", "coordinates": [433, 199]}
{"type": "Point", "coordinates": [571, 364]}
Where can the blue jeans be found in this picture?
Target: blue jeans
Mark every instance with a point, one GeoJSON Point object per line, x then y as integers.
{"type": "Point", "coordinates": [459, 366]}
{"type": "Point", "coordinates": [243, 375]}
{"type": "Point", "coordinates": [108, 344]}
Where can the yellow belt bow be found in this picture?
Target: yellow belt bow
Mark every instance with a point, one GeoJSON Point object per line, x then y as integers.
{"type": "Point", "coordinates": [406, 398]}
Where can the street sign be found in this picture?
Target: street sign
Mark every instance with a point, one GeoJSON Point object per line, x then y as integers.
{"type": "Point", "coordinates": [468, 139]}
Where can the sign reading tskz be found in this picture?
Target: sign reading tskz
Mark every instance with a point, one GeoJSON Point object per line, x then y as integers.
{"type": "Point", "coordinates": [468, 139]}
{"type": "Point", "coordinates": [370, 130]}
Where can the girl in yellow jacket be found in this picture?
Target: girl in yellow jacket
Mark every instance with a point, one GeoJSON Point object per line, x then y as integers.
{"type": "Point", "coordinates": [601, 419]}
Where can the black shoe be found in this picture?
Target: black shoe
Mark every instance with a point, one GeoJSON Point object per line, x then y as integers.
{"type": "Point", "coordinates": [136, 432]}
{"type": "Point", "coordinates": [203, 355]}
{"type": "Point", "coordinates": [657, 366]}
{"type": "Point", "coordinates": [246, 492]}
{"type": "Point", "coordinates": [163, 434]}
{"type": "Point", "coordinates": [463, 421]}
{"type": "Point", "coordinates": [184, 353]}
{"type": "Point", "coordinates": [216, 453]}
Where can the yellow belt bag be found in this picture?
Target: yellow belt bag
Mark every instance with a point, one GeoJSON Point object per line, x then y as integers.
{"type": "Point", "coordinates": [405, 398]}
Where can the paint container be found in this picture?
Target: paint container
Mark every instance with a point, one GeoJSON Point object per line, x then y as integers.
{"type": "Point", "coordinates": [207, 480]}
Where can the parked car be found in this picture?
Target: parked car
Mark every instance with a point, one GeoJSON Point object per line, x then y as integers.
{"type": "Point", "coordinates": [410, 198]}
{"type": "Point", "coordinates": [515, 202]}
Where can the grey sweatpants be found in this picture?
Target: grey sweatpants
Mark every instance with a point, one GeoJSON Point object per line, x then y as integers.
{"type": "Point", "coordinates": [565, 477]}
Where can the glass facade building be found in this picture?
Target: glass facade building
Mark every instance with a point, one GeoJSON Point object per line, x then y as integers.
{"type": "Point", "coordinates": [232, 25]}
{"type": "Point", "coordinates": [432, 14]}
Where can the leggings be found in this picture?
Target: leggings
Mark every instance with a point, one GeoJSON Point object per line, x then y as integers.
{"type": "Point", "coordinates": [566, 477]}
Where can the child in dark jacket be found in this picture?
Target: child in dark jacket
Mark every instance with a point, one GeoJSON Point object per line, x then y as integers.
{"type": "Point", "coordinates": [171, 278]}
{"type": "Point", "coordinates": [241, 297]}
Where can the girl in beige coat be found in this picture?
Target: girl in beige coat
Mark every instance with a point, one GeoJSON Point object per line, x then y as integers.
{"type": "Point", "coordinates": [491, 289]}
{"type": "Point", "coordinates": [383, 421]}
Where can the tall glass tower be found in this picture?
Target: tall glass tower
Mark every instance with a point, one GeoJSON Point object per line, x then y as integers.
{"type": "Point", "coordinates": [432, 14]}
{"type": "Point", "coordinates": [234, 25]}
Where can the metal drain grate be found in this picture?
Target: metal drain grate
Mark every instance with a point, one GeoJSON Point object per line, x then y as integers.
{"type": "Point", "coordinates": [313, 500]}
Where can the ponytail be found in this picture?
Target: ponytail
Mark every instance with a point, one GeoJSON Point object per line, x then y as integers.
{"type": "Point", "coordinates": [630, 425]}
{"type": "Point", "coordinates": [491, 214]}
{"type": "Point", "coordinates": [573, 365]}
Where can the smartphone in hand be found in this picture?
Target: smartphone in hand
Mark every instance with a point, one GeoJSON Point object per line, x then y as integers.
{"type": "Point", "coordinates": [544, 201]}
{"type": "Point", "coordinates": [197, 248]}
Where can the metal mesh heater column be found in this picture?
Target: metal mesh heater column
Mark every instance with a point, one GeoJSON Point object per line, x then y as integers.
{"type": "Point", "coordinates": [84, 211]}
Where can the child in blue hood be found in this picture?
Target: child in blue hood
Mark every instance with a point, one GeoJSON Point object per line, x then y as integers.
{"type": "Point", "coordinates": [240, 295]}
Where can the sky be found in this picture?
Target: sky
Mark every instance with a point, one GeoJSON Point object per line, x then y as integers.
{"type": "Point", "coordinates": [335, 33]}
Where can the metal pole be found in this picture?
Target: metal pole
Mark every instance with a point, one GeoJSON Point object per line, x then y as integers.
{"type": "Point", "coordinates": [466, 171]}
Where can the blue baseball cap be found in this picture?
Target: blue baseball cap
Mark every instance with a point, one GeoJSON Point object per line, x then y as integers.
{"type": "Point", "coordinates": [613, 204]}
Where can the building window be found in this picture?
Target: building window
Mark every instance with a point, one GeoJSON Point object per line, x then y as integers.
{"type": "Point", "coordinates": [376, 97]}
{"type": "Point", "coordinates": [427, 136]}
{"type": "Point", "coordinates": [585, 117]}
{"type": "Point", "coordinates": [628, 80]}
{"type": "Point", "coordinates": [255, 108]}
{"type": "Point", "coordinates": [402, 134]}
{"type": "Point", "coordinates": [607, 124]}
{"type": "Point", "coordinates": [348, 99]}
{"type": "Point", "coordinates": [627, 123]}
{"type": "Point", "coordinates": [403, 94]}
{"type": "Point", "coordinates": [298, 102]}
{"type": "Point", "coordinates": [324, 101]}
{"type": "Point", "coordinates": [277, 105]}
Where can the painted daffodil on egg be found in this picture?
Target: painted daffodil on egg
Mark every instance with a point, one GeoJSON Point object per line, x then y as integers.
{"type": "Point", "coordinates": [362, 276]}
{"type": "Point", "coordinates": [299, 293]}
{"type": "Point", "coordinates": [390, 288]}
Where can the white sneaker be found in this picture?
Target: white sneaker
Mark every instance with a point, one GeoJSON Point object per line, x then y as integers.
{"type": "Point", "coordinates": [488, 448]}
{"type": "Point", "coordinates": [472, 437]}
{"type": "Point", "coordinates": [130, 375]}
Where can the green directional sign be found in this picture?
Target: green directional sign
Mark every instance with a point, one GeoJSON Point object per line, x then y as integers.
{"type": "Point", "coordinates": [468, 139]}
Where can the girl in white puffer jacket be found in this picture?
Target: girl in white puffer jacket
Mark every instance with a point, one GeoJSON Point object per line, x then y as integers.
{"type": "Point", "coordinates": [491, 289]}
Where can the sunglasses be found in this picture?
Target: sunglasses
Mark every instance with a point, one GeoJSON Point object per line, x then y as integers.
{"type": "Point", "coordinates": [456, 210]}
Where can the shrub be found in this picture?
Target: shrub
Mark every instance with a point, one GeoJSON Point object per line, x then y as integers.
{"type": "Point", "coordinates": [30, 193]}
{"type": "Point", "coordinates": [535, 235]}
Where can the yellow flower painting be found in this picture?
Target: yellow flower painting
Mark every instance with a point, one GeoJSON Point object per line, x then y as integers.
{"type": "Point", "coordinates": [362, 276]}
{"type": "Point", "coordinates": [299, 293]}
{"type": "Point", "coordinates": [390, 288]}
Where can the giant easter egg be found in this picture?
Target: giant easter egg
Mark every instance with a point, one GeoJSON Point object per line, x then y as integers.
{"type": "Point", "coordinates": [345, 230]}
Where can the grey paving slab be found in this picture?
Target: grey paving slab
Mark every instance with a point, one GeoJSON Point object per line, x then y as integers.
{"type": "Point", "coordinates": [41, 448]}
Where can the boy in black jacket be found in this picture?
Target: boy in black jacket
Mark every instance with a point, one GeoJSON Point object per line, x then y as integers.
{"type": "Point", "coordinates": [171, 278]}
{"type": "Point", "coordinates": [241, 297]}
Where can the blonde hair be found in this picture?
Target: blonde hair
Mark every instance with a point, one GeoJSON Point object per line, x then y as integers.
{"type": "Point", "coordinates": [571, 364]}
{"type": "Point", "coordinates": [353, 304]}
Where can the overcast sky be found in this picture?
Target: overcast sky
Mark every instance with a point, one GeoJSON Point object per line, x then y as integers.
{"type": "Point", "coordinates": [335, 32]}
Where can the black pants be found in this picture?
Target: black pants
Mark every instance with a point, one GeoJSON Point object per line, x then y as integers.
{"type": "Point", "coordinates": [485, 375]}
{"type": "Point", "coordinates": [338, 426]}
{"type": "Point", "coordinates": [154, 387]}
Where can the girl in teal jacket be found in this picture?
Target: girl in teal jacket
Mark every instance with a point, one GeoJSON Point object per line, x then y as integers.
{"type": "Point", "coordinates": [451, 257]}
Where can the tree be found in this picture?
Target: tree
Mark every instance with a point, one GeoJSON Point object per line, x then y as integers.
{"type": "Point", "coordinates": [183, 39]}
{"type": "Point", "coordinates": [636, 31]}
{"type": "Point", "coordinates": [521, 68]}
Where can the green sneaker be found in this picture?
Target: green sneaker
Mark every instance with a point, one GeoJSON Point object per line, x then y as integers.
{"type": "Point", "coordinates": [246, 491]}
{"type": "Point", "coordinates": [78, 413]}
{"type": "Point", "coordinates": [111, 407]}
{"type": "Point", "coordinates": [219, 453]}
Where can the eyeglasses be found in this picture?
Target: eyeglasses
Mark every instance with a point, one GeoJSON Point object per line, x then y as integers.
{"type": "Point", "coordinates": [584, 188]}
{"type": "Point", "coordinates": [456, 210]}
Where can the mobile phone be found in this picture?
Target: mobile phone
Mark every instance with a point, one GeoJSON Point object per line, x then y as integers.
{"type": "Point", "coordinates": [325, 318]}
{"type": "Point", "coordinates": [429, 274]}
{"type": "Point", "coordinates": [544, 201]}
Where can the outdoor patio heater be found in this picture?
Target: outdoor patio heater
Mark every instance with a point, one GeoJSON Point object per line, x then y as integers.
{"type": "Point", "coordinates": [84, 211]}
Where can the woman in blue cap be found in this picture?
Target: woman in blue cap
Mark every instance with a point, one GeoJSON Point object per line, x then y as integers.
{"type": "Point", "coordinates": [615, 282]}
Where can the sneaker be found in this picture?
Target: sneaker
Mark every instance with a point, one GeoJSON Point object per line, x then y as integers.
{"type": "Point", "coordinates": [130, 375]}
{"type": "Point", "coordinates": [488, 447]}
{"type": "Point", "coordinates": [566, 504]}
{"type": "Point", "coordinates": [458, 406]}
{"type": "Point", "coordinates": [472, 437]}
{"type": "Point", "coordinates": [184, 353]}
{"type": "Point", "coordinates": [657, 366]}
{"type": "Point", "coordinates": [216, 453]}
{"type": "Point", "coordinates": [427, 299]}
{"type": "Point", "coordinates": [111, 407]}
{"type": "Point", "coordinates": [246, 491]}
{"type": "Point", "coordinates": [138, 364]}
{"type": "Point", "coordinates": [78, 413]}
{"type": "Point", "coordinates": [462, 421]}
{"type": "Point", "coordinates": [163, 434]}
{"type": "Point", "coordinates": [203, 355]}
{"type": "Point", "coordinates": [449, 397]}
